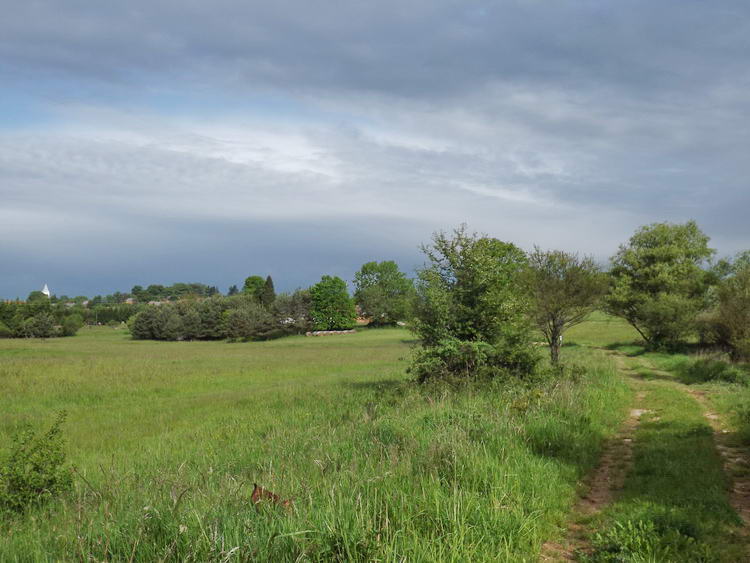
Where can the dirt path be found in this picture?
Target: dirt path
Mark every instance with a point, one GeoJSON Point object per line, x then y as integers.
{"type": "Point", "coordinates": [602, 484]}
{"type": "Point", "coordinates": [736, 458]}
{"type": "Point", "coordinates": [736, 462]}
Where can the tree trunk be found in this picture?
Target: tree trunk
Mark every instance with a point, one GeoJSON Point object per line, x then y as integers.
{"type": "Point", "coordinates": [554, 346]}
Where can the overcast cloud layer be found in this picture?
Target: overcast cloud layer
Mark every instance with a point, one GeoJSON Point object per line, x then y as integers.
{"type": "Point", "coordinates": [160, 141]}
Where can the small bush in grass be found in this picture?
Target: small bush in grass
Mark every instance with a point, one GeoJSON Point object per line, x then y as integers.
{"type": "Point", "coordinates": [71, 324]}
{"type": "Point", "coordinates": [707, 370]}
{"type": "Point", "coordinates": [646, 540]}
{"type": "Point", "coordinates": [34, 470]}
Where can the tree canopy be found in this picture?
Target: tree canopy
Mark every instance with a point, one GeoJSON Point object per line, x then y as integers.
{"type": "Point", "coordinates": [331, 307]}
{"type": "Point", "coordinates": [659, 281]}
{"type": "Point", "coordinates": [565, 289]}
{"type": "Point", "coordinates": [383, 293]}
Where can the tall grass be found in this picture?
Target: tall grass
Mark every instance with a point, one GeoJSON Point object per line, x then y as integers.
{"type": "Point", "coordinates": [167, 440]}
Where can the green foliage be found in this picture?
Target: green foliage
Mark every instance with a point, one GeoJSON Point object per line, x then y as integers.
{"type": "Point", "coordinates": [331, 306]}
{"type": "Point", "coordinates": [658, 283]}
{"type": "Point", "coordinates": [71, 325]}
{"type": "Point", "coordinates": [40, 326]}
{"type": "Point", "coordinates": [249, 320]}
{"type": "Point", "coordinates": [191, 322]}
{"type": "Point", "coordinates": [268, 295]}
{"type": "Point", "coordinates": [383, 293]}
{"type": "Point", "coordinates": [240, 317]}
{"type": "Point", "coordinates": [456, 361]}
{"type": "Point", "coordinates": [158, 292]}
{"type": "Point", "coordinates": [145, 325]}
{"type": "Point", "coordinates": [211, 312]}
{"type": "Point", "coordinates": [472, 291]}
{"type": "Point", "coordinates": [565, 289]}
{"type": "Point", "coordinates": [727, 323]}
{"type": "Point", "coordinates": [254, 286]}
{"type": "Point", "coordinates": [646, 540]}
{"type": "Point", "coordinates": [293, 311]}
{"type": "Point", "coordinates": [37, 296]}
{"type": "Point", "coordinates": [39, 319]}
{"type": "Point", "coordinates": [708, 370]}
{"type": "Point", "coordinates": [34, 469]}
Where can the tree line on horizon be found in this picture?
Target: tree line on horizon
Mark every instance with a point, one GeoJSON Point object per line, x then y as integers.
{"type": "Point", "coordinates": [476, 302]}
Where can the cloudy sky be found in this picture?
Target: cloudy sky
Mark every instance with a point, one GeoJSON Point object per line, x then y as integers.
{"type": "Point", "coordinates": [160, 141]}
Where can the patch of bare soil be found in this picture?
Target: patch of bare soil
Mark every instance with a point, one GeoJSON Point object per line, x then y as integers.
{"type": "Point", "coordinates": [601, 486]}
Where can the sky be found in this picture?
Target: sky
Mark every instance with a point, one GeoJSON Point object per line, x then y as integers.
{"type": "Point", "coordinates": [162, 141]}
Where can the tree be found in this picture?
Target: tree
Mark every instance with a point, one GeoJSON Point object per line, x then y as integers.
{"type": "Point", "coordinates": [36, 296]}
{"type": "Point", "coordinates": [472, 309]}
{"type": "Point", "coordinates": [727, 323]}
{"type": "Point", "coordinates": [564, 290]}
{"type": "Point", "coordinates": [139, 293]}
{"type": "Point", "coordinates": [254, 286]}
{"type": "Point", "coordinates": [233, 290]}
{"type": "Point", "coordinates": [211, 311]}
{"type": "Point", "coordinates": [383, 293]}
{"type": "Point", "coordinates": [658, 282]}
{"type": "Point", "coordinates": [332, 308]}
{"type": "Point", "coordinates": [268, 294]}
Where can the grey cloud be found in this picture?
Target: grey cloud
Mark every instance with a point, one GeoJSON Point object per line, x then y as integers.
{"type": "Point", "coordinates": [566, 124]}
{"type": "Point", "coordinates": [420, 49]}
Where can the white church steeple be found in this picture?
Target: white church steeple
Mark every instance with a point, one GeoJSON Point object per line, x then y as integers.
{"type": "Point", "coordinates": [45, 290]}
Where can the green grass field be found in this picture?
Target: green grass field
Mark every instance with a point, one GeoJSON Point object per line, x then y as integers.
{"type": "Point", "coordinates": [167, 438]}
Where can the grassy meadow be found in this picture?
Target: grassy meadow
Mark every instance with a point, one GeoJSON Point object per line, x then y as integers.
{"type": "Point", "coordinates": [167, 438]}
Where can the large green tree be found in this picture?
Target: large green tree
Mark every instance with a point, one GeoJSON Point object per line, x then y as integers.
{"type": "Point", "coordinates": [565, 289]}
{"type": "Point", "coordinates": [659, 281]}
{"type": "Point", "coordinates": [331, 306]}
{"type": "Point", "coordinates": [383, 293]}
{"type": "Point", "coordinates": [472, 309]}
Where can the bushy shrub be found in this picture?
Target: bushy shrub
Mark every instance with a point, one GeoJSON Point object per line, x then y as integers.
{"type": "Point", "coordinates": [40, 326]}
{"type": "Point", "coordinates": [34, 470]}
{"type": "Point", "coordinates": [144, 325]}
{"type": "Point", "coordinates": [727, 324]}
{"type": "Point", "coordinates": [240, 317]}
{"type": "Point", "coordinates": [472, 309]}
{"type": "Point", "coordinates": [646, 540]}
{"type": "Point", "coordinates": [707, 370]}
{"type": "Point", "coordinates": [251, 321]}
{"type": "Point", "coordinates": [5, 332]}
{"type": "Point", "coordinates": [71, 325]}
{"type": "Point", "coordinates": [452, 358]}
